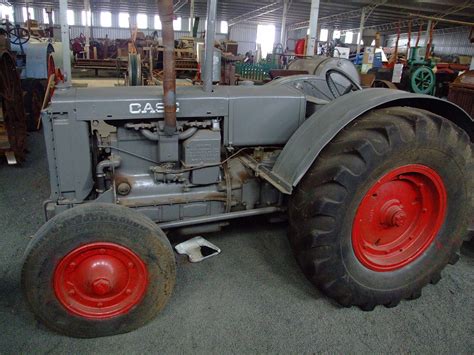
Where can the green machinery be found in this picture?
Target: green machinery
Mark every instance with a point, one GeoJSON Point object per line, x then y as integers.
{"type": "Point", "coordinates": [257, 72]}
{"type": "Point", "coordinates": [422, 79]}
{"type": "Point", "coordinates": [260, 71]}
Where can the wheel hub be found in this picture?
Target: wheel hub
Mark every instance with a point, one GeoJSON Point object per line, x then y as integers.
{"type": "Point", "coordinates": [399, 217]}
{"type": "Point", "coordinates": [100, 280]}
{"type": "Point", "coordinates": [392, 214]}
{"type": "Point", "coordinates": [101, 286]}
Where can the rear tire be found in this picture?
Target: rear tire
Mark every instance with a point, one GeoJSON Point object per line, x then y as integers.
{"type": "Point", "coordinates": [98, 270]}
{"type": "Point", "coordinates": [332, 216]}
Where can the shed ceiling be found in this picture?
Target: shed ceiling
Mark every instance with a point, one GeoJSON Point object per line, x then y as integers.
{"type": "Point", "coordinates": [338, 14]}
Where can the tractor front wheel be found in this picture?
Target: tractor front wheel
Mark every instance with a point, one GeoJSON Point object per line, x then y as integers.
{"type": "Point", "coordinates": [384, 208]}
{"type": "Point", "coordinates": [98, 270]}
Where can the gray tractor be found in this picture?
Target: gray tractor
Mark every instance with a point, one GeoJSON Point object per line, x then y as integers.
{"type": "Point", "coordinates": [376, 184]}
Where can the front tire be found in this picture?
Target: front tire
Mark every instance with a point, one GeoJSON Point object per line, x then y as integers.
{"type": "Point", "coordinates": [97, 270]}
{"type": "Point", "coordinates": [384, 208]}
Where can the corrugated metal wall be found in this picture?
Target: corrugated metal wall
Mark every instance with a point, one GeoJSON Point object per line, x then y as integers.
{"type": "Point", "coordinates": [446, 42]}
{"type": "Point", "coordinates": [245, 35]}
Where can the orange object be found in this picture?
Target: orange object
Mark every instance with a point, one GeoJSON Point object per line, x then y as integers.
{"type": "Point", "coordinates": [419, 35]}
{"type": "Point", "coordinates": [430, 41]}
{"type": "Point", "coordinates": [394, 58]}
{"type": "Point", "coordinates": [409, 38]}
{"type": "Point", "coordinates": [300, 47]}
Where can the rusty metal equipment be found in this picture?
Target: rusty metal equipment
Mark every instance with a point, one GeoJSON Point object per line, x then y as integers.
{"type": "Point", "coordinates": [369, 196]}
{"type": "Point", "coordinates": [461, 92]}
{"type": "Point", "coordinates": [35, 64]}
{"type": "Point", "coordinates": [12, 114]}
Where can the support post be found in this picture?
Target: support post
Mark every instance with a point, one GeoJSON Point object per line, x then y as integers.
{"type": "Point", "coordinates": [361, 30]}
{"type": "Point", "coordinates": [87, 31]}
{"type": "Point", "coordinates": [191, 17]}
{"type": "Point", "coordinates": [209, 44]}
{"type": "Point", "coordinates": [27, 20]}
{"type": "Point", "coordinates": [283, 24]}
{"type": "Point", "coordinates": [313, 28]}
{"type": "Point", "coordinates": [427, 34]}
{"type": "Point", "coordinates": [65, 40]}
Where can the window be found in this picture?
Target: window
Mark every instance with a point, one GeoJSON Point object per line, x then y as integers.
{"type": "Point", "coordinates": [349, 36]}
{"type": "Point", "coordinates": [105, 19]}
{"type": "Point", "coordinates": [323, 35]}
{"type": "Point", "coordinates": [6, 11]}
{"type": "Point", "coordinates": [266, 38]}
{"type": "Point", "coordinates": [157, 23]}
{"type": "Point", "coordinates": [224, 27]}
{"type": "Point", "coordinates": [142, 21]}
{"type": "Point", "coordinates": [124, 19]}
{"type": "Point", "coordinates": [70, 17]}
{"type": "Point", "coordinates": [30, 12]}
{"type": "Point", "coordinates": [177, 24]}
{"type": "Point", "coordinates": [358, 39]}
{"type": "Point", "coordinates": [336, 34]}
{"type": "Point", "coordinates": [86, 18]}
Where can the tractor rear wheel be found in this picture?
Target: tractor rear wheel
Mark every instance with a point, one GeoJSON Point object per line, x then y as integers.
{"type": "Point", "coordinates": [98, 270]}
{"type": "Point", "coordinates": [384, 208]}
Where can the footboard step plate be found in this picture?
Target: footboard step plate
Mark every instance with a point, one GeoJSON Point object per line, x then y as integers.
{"type": "Point", "coordinates": [197, 249]}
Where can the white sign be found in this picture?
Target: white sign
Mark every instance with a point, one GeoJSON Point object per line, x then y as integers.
{"type": "Point", "coordinates": [341, 52]}
{"type": "Point", "coordinates": [397, 73]}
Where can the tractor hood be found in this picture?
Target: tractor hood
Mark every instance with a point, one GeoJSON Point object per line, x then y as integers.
{"type": "Point", "coordinates": [145, 102]}
{"type": "Point", "coordinates": [254, 115]}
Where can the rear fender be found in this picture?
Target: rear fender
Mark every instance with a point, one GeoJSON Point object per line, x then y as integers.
{"type": "Point", "coordinates": [318, 130]}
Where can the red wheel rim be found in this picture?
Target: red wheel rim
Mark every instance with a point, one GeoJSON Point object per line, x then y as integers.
{"type": "Point", "coordinates": [399, 217]}
{"type": "Point", "coordinates": [100, 280]}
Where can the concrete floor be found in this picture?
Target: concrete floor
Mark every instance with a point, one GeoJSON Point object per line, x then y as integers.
{"type": "Point", "coordinates": [252, 298]}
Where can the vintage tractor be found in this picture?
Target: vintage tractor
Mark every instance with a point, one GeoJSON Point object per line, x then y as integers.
{"type": "Point", "coordinates": [377, 186]}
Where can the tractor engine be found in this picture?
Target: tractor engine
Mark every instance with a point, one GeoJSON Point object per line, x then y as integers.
{"type": "Point", "coordinates": [117, 150]}
{"type": "Point", "coordinates": [177, 177]}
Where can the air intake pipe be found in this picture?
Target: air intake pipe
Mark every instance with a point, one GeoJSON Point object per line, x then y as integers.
{"type": "Point", "coordinates": [165, 10]}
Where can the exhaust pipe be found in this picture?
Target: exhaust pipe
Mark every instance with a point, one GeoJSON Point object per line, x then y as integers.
{"type": "Point", "coordinates": [165, 10]}
{"type": "Point", "coordinates": [209, 44]}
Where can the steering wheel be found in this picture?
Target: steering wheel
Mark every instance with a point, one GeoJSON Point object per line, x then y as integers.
{"type": "Point", "coordinates": [333, 85]}
{"type": "Point", "coordinates": [21, 35]}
